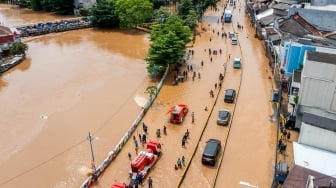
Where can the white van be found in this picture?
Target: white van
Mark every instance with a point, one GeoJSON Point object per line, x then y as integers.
{"type": "Point", "coordinates": [234, 41]}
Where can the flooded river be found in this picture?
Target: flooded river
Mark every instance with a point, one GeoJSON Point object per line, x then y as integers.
{"type": "Point", "coordinates": [94, 80]}
{"type": "Point", "coordinates": [71, 83]}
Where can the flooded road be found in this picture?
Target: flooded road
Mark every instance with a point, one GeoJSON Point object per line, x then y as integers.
{"type": "Point", "coordinates": [71, 83]}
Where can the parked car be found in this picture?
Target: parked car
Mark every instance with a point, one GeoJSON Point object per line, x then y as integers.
{"type": "Point", "coordinates": [236, 63]}
{"type": "Point", "coordinates": [223, 117]}
{"type": "Point", "coordinates": [211, 152]}
{"type": "Point", "coordinates": [230, 95]}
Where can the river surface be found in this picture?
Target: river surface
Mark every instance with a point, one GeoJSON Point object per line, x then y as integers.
{"type": "Point", "coordinates": [77, 81]}
{"type": "Point", "coordinates": [71, 83]}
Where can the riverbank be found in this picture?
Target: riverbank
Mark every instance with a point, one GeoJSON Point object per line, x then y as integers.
{"type": "Point", "coordinates": [10, 62]}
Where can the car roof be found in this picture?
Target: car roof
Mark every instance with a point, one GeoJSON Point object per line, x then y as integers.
{"type": "Point", "coordinates": [230, 90]}
{"type": "Point", "coordinates": [210, 147]}
{"type": "Point", "coordinates": [236, 59]}
{"type": "Point", "coordinates": [223, 109]}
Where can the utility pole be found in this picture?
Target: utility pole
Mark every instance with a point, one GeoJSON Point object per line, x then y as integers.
{"type": "Point", "coordinates": [93, 165]}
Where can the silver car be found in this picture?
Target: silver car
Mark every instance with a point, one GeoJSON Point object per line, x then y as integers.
{"type": "Point", "coordinates": [223, 117]}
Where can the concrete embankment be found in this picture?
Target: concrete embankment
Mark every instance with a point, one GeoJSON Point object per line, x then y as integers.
{"type": "Point", "coordinates": [36, 29]}
{"type": "Point", "coordinates": [11, 62]}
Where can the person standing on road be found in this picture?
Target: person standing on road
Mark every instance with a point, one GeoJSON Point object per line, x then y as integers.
{"type": "Point", "coordinates": [150, 182]}
{"type": "Point", "coordinates": [192, 117]}
{"type": "Point", "coordinates": [183, 161]}
{"type": "Point", "coordinates": [288, 135]}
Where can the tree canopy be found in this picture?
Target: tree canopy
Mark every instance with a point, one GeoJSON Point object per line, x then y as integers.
{"type": "Point", "coordinates": [103, 14]}
{"type": "Point", "coordinates": [168, 43]}
{"type": "Point", "coordinates": [133, 12]}
{"type": "Point", "coordinates": [18, 48]}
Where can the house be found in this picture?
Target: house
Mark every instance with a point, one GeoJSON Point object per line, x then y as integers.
{"type": "Point", "coordinates": [320, 15]}
{"type": "Point", "coordinates": [6, 35]}
{"type": "Point", "coordinates": [317, 95]}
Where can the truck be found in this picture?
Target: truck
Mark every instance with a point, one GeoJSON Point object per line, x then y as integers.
{"type": "Point", "coordinates": [227, 16]}
{"type": "Point", "coordinates": [144, 161]}
{"type": "Point", "coordinates": [177, 113]}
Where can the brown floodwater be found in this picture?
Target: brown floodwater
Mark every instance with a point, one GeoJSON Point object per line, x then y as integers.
{"type": "Point", "coordinates": [76, 82]}
{"type": "Point", "coordinates": [71, 83]}
{"type": "Point", "coordinates": [249, 153]}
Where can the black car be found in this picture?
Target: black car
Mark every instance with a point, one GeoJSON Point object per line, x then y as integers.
{"type": "Point", "coordinates": [230, 95]}
{"type": "Point", "coordinates": [211, 152]}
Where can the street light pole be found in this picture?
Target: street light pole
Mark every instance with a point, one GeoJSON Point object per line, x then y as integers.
{"type": "Point", "coordinates": [93, 165]}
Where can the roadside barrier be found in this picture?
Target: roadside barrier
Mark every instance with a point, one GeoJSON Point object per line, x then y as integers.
{"type": "Point", "coordinates": [114, 153]}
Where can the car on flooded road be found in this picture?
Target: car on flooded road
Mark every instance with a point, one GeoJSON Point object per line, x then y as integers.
{"type": "Point", "coordinates": [223, 117]}
{"type": "Point", "coordinates": [211, 152]}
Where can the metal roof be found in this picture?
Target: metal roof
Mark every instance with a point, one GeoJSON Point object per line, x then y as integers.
{"type": "Point", "coordinates": [298, 176]}
{"type": "Point", "coordinates": [315, 159]}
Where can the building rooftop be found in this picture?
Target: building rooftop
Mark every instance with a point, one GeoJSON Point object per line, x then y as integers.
{"type": "Point", "coordinates": [315, 159]}
{"type": "Point", "coordinates": [281, 6]}
{"type": "Point", "coordinates": [298, 26]}
{"type": "Point", "coordinates": [321, 57]}
{"type": "Point", "coordinates": [298, 176]}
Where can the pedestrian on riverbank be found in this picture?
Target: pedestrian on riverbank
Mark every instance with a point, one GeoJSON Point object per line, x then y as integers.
{"type": "Point", "coordinates": [129, 156]}
{"type": "Point", "coordinates": [215, 85]}
{"type": "Point", "coordinates": [192, 117]}
{"type": "Point", "coordinates": [183, 161]}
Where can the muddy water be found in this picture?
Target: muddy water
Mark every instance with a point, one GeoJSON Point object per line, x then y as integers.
{"type": "Point", "coordinates": [71, 83]}
{"type": "Point", "coordinates": [75, 100]}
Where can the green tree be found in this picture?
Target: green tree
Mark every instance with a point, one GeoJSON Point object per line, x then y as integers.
{"type": "Point", "coordinates": [184, 7]}
{"type": "Point", "coordinates": [157, 3]}
{"type": "Point", "coordinates": [191, 20]}
{"type": "Point", "coordinates": [62, 6]}
{"type": "Point", "coordinates": [168, 43]}
{"type": "Point", "coordinates": [161, 15]}
{"type": "Point", "coordinates": [36, 5]}
{"type": "Point", "coordinates": [47, 5]}
{"type": "Point", "coordinates": [103, 14]}
{"type": "Point", "coordinates": [133, 12]}
{"type": "Point", "coordinates": [18, 48]}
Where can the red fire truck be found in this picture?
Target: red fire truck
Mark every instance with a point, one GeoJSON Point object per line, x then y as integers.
{"type": "Point", "coordinates": [145, 160]}
{"type": "Point", "coordinates": [177, 113]}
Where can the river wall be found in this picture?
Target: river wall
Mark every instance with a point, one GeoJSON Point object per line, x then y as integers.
{"type": "Point", "coordinates": [17, 59]}
{"type": "Point", "coordinates": [113, 154]}
{"type": "Point", "coordinates": [36, 29]}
